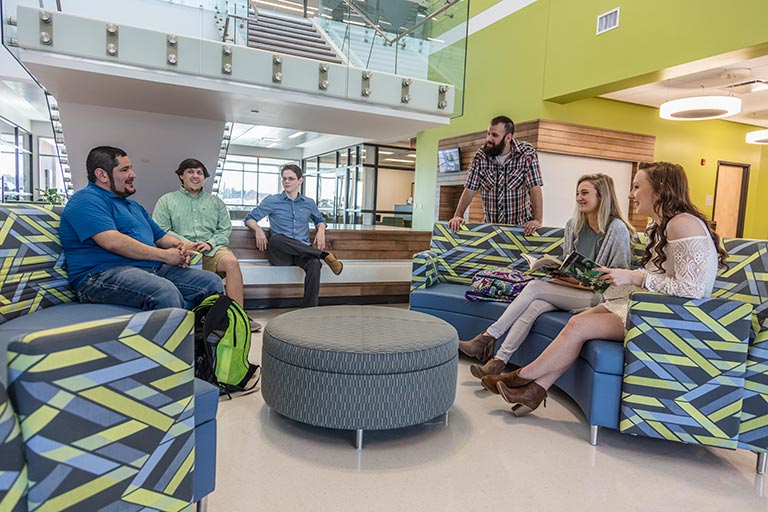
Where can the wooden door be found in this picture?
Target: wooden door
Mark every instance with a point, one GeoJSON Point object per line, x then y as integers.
{"type": "Point", "coordinates": [730, 199]}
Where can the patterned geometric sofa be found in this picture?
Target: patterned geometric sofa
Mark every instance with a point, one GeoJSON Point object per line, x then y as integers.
{"type": "Point", "coordinates": [99, 409]}
{"type": "Point", "coordinates": [693, 371]}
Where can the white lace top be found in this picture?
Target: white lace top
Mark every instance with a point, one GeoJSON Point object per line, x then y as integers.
{"type": "Point", "coordinates": [689, 271]}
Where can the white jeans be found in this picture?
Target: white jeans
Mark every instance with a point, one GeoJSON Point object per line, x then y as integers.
{"type": "Point", "coordinates": [537, 298]}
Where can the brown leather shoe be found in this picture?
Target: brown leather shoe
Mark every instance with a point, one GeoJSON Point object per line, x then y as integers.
{"type": "Point", "coordinates": [335, 265]}
{"type": "Point", "coordinates": [525, 399]}
{"type": "Point", "coordinates": [480, 347]}
{"type": "Point", "coordinates": [492, 367]}
{"type": "Point", "coordinates": [511, 380]}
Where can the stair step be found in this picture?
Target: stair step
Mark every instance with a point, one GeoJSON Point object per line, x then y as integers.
{"type": "Point", "coordinates": [298, 53]}
{"type": "Point", "coordinates": [315, 45]}
{"type": "Point", "coordinates": [284, 18]}
{"type": "Point", "coordinates": [282, 25]}
{"type": "Point", "coordinates": [305, 36]}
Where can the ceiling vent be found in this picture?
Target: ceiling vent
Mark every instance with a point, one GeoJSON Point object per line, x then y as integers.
{"type": "Point", "coordinates": [748, 87]}
{"type": "Point", "coordinates": [607, 21]}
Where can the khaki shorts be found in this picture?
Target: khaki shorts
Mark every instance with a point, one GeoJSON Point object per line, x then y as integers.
{"type": "Point", "coordinates": [211, 262]}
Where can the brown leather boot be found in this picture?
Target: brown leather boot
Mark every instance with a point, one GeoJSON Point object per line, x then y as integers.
{"type": "Point", "coordinates": [525, 399]}
{"type": "Point", "coordinates": [480, 347]}
{"type": "Point", "coordinates": [511, 380]}
{"type": "Point", "coordinates": [492, 367]}
{"type": "Point", "coordinates": [335, 265]}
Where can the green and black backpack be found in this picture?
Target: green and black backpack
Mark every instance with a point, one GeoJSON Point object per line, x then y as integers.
{"type": "Point", "coordinates": [222, 343]}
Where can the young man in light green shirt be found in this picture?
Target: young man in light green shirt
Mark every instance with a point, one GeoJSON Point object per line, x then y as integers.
{"type": "Point", "coordinates": [193, 215]}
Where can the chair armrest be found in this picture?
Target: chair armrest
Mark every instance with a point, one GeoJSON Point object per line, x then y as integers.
{"type": "Point", "coordinates": [109, 404]}
{"type": "Point", "coordinates": [684, 368]}
{"type": "Point", "coordinates": [753, 434]}
{"type": "Point", "coordinates": [424, 273]}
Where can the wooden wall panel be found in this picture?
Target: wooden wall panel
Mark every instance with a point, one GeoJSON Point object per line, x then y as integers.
{"type": "Point", "coordinates": [548, 136]}
{"type": "Point", "coordinates": [368, 244]}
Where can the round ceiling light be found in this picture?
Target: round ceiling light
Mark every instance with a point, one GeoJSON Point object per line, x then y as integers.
{"type": "Point", "coordinates": [757, 137]}
{"type": "Point", "coordinates": [700, 108]}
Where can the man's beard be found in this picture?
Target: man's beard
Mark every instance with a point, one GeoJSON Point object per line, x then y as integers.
{"type": "Point", "coordinates": [493, 150]}
{"type": "Point", "coordinates": [112, 189]}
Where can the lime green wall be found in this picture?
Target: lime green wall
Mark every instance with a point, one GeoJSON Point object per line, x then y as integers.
{"type": "Point", "coordinates": [517, 89]}
{"type": "Point", "coordinates": [478, 6]}
{"type": "Point", "coordinates": [652, 37]}
{"type": "Point", "coordinates": [493, 88]}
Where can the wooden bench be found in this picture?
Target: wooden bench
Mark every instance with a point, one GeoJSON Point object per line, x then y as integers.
{"type": "Point", "coordinates": [377, 266]}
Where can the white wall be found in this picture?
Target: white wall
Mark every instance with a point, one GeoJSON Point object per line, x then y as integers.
{"type": "Point", "coordinates": [394, 187]}
{"type": "Point", "coordinates": [155, 143]}
{"type": "Point", "coordinates": [560, 174]}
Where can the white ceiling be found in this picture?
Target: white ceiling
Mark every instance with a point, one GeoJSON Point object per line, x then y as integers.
{"type": "Point", "coordinates": [720, 81]}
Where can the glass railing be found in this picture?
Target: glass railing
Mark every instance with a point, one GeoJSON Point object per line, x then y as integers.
{"type": "Point", "coordinates": [425, 40]}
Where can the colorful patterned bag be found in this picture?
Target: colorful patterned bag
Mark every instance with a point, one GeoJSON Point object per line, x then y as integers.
{"type": "Point", "coordinates": [500, 284]}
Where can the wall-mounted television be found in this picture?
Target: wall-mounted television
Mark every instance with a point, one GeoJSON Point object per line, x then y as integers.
{"type": "Point", "coordinates": [448, 160]}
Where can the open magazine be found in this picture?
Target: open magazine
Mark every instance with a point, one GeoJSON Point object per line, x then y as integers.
{"type": "Point", "coordinates": [575, 266]}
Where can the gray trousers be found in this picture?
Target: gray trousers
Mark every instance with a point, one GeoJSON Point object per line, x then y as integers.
{"type": "Point", "coordinates": [284, 251]}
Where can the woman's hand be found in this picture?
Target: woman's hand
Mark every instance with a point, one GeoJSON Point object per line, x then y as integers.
{"type": "Point", "coordinates": [621, 277]}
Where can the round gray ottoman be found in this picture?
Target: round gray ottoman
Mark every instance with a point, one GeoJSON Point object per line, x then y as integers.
{"type": "Point", "coordinates": [359, 367]}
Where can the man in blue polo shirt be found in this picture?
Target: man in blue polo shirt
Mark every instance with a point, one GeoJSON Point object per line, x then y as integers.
{"type": "Point", "coordinates": [116, 254]}
{"type": "Point", "coordinates": [288, 245]}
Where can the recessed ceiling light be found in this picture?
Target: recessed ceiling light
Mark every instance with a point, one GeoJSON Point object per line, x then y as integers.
{"type": "Point", "coordinates": [297, 134]}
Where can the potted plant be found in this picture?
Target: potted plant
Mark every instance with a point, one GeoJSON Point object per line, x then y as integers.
{"type": "Point", "coordinates": [50, 196]}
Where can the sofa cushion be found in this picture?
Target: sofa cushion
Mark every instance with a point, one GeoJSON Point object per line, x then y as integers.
{"type": "Point", "coordinates": [604, 356]}
{"type": "Point", "coordinates": [450, 297]}
{"type": "Point", "coordinates": [62, 315]}
{"type": "Point", "coordinates": [31, 249]}
{"type": "Point", "coordinates": [65, 315]}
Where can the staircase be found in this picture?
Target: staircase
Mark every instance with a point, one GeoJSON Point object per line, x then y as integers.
{"type": "Point", "coordinates": [288, 35]}
{"type": "Point", "coordinates": [366, 50]}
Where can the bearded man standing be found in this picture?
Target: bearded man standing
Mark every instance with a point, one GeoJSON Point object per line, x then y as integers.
{"type": "Point", "coordinates": [506, 171]}
{"type": "Point", "coordinates": [116, 254]}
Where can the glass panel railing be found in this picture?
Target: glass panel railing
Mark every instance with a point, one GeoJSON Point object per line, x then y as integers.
{"type": "Point", "coordinates": [425, 40]}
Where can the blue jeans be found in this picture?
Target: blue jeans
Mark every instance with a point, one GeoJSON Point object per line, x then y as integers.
{"type": "Point", "coordinates": [150, 288]}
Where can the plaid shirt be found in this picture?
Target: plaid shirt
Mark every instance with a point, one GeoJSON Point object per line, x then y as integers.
{"type": "Point", "coordinates": [504, 189]}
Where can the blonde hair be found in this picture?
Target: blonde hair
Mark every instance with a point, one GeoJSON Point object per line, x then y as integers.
{"type": "Point", "coordinates": [609, 205]}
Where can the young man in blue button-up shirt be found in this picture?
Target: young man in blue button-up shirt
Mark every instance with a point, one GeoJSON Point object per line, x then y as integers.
{"type": "Point", "coordinates": [288, 245]}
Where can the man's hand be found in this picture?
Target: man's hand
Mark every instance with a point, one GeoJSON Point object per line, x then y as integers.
{"type": "Point", "coordinates": [175, 256]}
{"type": "Point", "coordinates": [320, 239]}
{"type": "Point", "coordinates": [455, 223]}
{"type": "Point", "coordinates": [261, 239]}
{"type": "Point", "coordinates": [200, 246]}
{"type": "Point", "coordinates": [531, 226]}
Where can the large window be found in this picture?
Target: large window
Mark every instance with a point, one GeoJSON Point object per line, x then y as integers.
{"type": "Point", "coordinates": [50, 173]}
{"type": "Point", "coordinates": [363, 184]}
{"type": "Point", "coordinates": [15, 162]}
{"type": "Point", "coordinates": [247, 180]}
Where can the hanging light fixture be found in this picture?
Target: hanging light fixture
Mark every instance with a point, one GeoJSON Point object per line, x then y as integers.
{"type": "Point", "coordinates": [699, 108]}
{"type": "Point", "coordinates": [757, 137]}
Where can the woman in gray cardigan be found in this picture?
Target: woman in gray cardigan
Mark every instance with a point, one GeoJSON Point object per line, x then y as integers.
{"type": "Point", "coordinates": [599, 231]}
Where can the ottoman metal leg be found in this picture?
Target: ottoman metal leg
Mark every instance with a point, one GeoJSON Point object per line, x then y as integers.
{"type": "Point", "coordinates": [359, 439]}
{"type": "Point", "coordinates": [762, 459]}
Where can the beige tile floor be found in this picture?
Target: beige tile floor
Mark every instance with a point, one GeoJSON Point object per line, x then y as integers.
{"type": "Point", "coordinates": [484, 459]}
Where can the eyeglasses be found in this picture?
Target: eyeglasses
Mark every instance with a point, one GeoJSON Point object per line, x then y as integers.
{"type": "Point", "coordinates": [289, 178]}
